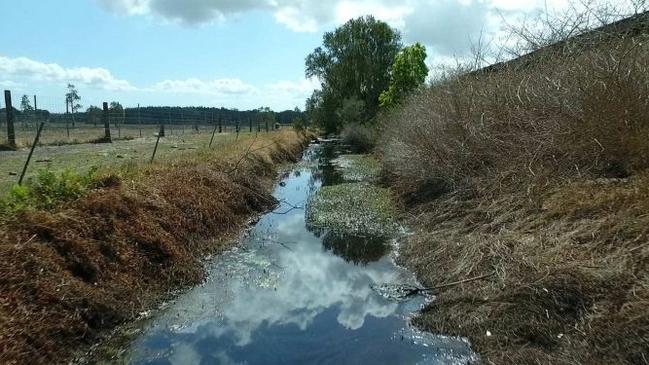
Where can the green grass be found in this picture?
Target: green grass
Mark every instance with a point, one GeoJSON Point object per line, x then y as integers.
{"type": "Point", "coordinates": [81, 158]}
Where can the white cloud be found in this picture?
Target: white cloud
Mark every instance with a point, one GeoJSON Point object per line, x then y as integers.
{"type": "Point", "coordinates": [23, 67]}
{"type": "Point", "coordinates": [208, 87]}
{"type": "Point", "coordinates": [446, 26]}
{"type": "Point", "coordinates": [290, 93]}
{"type": "Point", "coordinates": [8, 84]}
{"type": "Point", "coordinates": [392, 13]}
{"type": "Point", "coordinates": [302, 87]}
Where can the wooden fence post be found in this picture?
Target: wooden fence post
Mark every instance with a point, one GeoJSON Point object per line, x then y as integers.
{"type": "Point", "coordinates": [31, 152]}
{"type": "Point", "coordinates": [139, 119]}
{"type": "Point", "coordinates": [105, 119]}
{"type": "Point", "coordinates": [160, 134]}
{"type": "Point", "coordinates": [11, 133]}
{"type": "Point", "coordinates": [67, 119]}
{"type": "Point", "coordinates": [213, 132]}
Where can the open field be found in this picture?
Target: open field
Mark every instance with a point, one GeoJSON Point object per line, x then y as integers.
{"type": "Point", "coordinates": [59, 134]}
{"type": "Point", "coordinates": [80, 157]}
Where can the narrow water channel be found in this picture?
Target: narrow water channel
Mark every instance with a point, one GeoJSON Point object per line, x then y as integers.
{"type": "Point", "coordinates": [283, 296]}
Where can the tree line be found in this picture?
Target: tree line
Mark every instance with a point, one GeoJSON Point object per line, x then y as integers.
{"type": "Point", "coordinates": [150, 114]}
{"type": "Point", "coordinates": [161, 114]}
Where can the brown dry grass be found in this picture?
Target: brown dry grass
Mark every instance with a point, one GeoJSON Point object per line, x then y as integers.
{"type": "Point", "coordinates": [69, 275]}
{"type": "Point", "coordinates": [537, 171]}
{"type": "Point", "coordinates": [571, 283]}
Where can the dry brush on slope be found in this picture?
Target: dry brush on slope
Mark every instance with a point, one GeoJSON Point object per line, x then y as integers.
{"type": "Point", "coordinates": [537, 171]}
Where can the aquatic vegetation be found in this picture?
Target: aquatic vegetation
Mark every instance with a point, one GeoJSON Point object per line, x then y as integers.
{"type": "Point", "coordinates": [358, 167]}
{"type": "Point", "coordinates": [353, 208]}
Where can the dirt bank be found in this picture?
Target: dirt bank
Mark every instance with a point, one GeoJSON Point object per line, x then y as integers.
{"type": "Point", "coordinates": [570, 283]}
{"type": "Point", "coordinates": [69, 275]}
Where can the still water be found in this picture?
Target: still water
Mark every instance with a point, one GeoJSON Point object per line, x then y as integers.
{"type": "Point", "coordinates": [287, 295]}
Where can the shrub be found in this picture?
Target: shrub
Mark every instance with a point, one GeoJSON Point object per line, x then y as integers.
{"type": "Point", "coordinates": [568, 111]}
{"type": "Point", "coordinates": [46, 190]}
{"type": "Point", "coordinates": [360, 138]}
{"type": "Point", "coordinates": [298, 125]}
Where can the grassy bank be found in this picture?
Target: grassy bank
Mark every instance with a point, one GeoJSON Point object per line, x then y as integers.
{"type": "Point", "coordinates": [82, 156]}
{"type": "Point", "coordinates": [69, 274]}
{"type": "Point", "coordinates": [537, 172]}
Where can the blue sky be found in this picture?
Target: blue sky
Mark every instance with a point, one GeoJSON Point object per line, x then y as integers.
{"type": "Point", "coordinates": [232, 53]}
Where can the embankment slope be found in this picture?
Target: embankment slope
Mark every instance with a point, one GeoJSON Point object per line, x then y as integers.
{"type": "Point", "coordinates": [71, 274]}
{"type": "Point", "coordinates": [536, 172]}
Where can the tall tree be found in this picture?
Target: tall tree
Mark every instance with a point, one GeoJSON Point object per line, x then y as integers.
{"type": "Point", "coordinates": [115, 107]}
{"type": "Point", "coordinates": [25, 104]}
{"type": "Point", "coordinates": [409, 72]}
{"type": "Point", "coordinates": [353, 63]}
{"type": "Point", "coordinates": [115, 112]}
{"type": "Point", "coordinates": [72, 98]}
{"type": "Point", "coordinates": [93, 114]}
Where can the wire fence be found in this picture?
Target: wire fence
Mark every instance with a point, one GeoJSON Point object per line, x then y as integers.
{"type": "Point", "coordinates": [111, 133]}
{"type": "Point", "coordinates": [125, 122]}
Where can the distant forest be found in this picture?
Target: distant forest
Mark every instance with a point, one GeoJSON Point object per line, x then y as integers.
{"type": "Point", "coordinates": [160, 114]}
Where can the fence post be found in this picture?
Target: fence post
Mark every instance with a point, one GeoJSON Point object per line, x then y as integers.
{"type": "Point", "coordinates": [31, 152]}
{"type": "Point", "coordinates": [119, 129]}
{"type": "Point", "coordinates": [160, 134]}
{"type": "Point", "coordinates": [250, 123]}
{"type": "Point", "coordinates": [35, 116]}
{"type": "Point", "coordinates": [220, 125]}
{"type": "Point", "coordinates": [212, 139]}
{"type": "Point", "coordinates": [11, 133]}
{"type": "Point", "coordinates": [139, 119]}
{"type": "Point", "coordinates": [171, 126]}
{"type": "Point", "coordinates": [67, 120]}
{"type": "Point", "coordinates": [104, 117]}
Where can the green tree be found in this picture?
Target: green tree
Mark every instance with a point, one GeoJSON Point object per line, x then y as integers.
{"type": "Point", "coordinates": [72, 98]}
{"type": "Point", "coordinates": [353, 63]}
{"type": "Point", "coordinates": [409, 72]}
{"type": "Point", "coordinates": [115, 112]}
{"type": "Point", "coordinates": [321, 108]}
{"type": "Point", "coordinates": [25, 104]}
{"type": "Point", "coordinates": [350, 111]}
{"type": "Point", "coordinates": [115, 107]}
{"type": "Point", "coordinates": [93, 114]}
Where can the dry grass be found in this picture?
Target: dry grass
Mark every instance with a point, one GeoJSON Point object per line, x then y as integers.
{"type": "Point", "coordinates": [571, 283]}
{"type": "Point", "coordinates": [55, 134]}
{"type": "Point", "coordinates": [536, 171]}
{"type": "Point", "coordinates": [69, 275]}
{"type": "Point", "coordinates": [575, 112]}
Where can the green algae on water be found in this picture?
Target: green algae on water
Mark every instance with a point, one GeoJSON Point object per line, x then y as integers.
{"type": "Point", "coordinates": [353, 208]}
{"type": "Point", "coordinates": [356, 168]}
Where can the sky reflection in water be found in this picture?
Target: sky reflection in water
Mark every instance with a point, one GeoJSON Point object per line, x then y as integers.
{"type": "Point", "coordinates": [286, 297]}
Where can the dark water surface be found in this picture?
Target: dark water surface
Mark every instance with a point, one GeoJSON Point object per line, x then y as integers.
{"type": "Point", "coordinates": [288, 296]}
